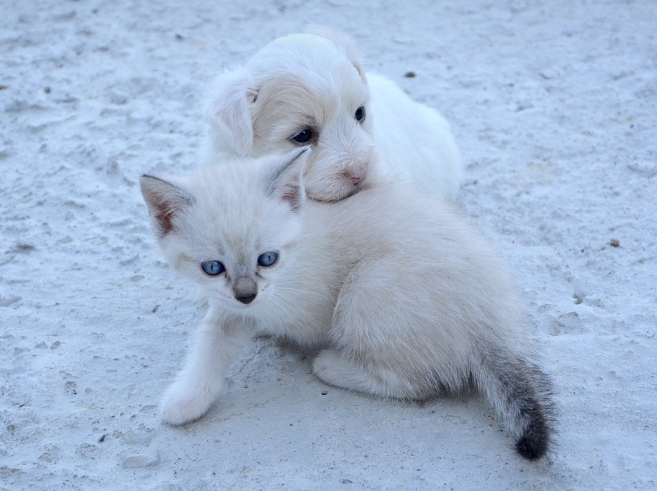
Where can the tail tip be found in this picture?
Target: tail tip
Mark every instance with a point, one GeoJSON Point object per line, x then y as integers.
{"type": "Point", "coordinates": [532, 448]}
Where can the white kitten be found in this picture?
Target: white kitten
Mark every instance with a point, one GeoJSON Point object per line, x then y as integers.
{"type": "Point", "coordinates": [406, 299]}
{"type": "Point", "coordinates": [308, 89]}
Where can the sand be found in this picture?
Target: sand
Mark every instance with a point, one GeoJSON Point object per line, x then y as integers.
{"type": "Point", "coordinates": [554, 107]}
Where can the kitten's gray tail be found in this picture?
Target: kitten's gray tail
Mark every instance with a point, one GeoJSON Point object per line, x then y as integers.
{"type": "Point", "coordinates": [521, 393]}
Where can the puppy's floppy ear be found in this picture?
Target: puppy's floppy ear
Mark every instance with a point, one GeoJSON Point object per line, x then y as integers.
{"type": "Point", "coordinates": [227, 108]}
{"type": "Point", "coordinates": [342, 41]}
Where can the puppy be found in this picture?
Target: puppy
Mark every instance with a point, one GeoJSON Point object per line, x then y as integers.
{"type": "Point", "coordinates": [310, 89]}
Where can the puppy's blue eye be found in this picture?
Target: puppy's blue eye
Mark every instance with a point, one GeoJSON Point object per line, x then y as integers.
{"type": "Point", "coordinates": [268, 258]}
{"type": "Point", "coordinates": [212, 268]}
{"type": "Point", "coordinates": [303, 136]}
{"type": "Point", "coordinates": [360, 113]}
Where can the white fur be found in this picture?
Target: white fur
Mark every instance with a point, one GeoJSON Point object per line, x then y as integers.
{"type": "Point", "coordinates": [406, 299]}
{"type": "Point", "coordinates": [317, 81]}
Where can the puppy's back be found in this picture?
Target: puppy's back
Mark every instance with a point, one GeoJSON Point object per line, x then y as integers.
{"type": "Point", "coordinates": [415, 142]}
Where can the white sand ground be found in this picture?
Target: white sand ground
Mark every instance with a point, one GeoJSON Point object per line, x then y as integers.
{"type": "Point", "coordinates": [554, 104]}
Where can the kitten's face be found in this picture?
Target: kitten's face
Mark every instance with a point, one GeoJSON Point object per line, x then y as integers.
{"type": "Point", "coordinates": [228, 230]}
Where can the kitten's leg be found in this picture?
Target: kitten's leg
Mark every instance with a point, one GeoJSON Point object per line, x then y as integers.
{"type": "Point", "coordinates": [358, 360]}
{"type": "Point", "coordinates": [339, 370]}
{"type": "Point", "coordinates": [216, 343]}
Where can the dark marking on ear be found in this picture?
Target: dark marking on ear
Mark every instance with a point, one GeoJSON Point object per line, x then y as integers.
{"type": "Point", "coordinates": [164, 200]}
{"type": "Point", "coordinates": [285, 179]}
{"type": "Point", "coordinates": [292, 194]}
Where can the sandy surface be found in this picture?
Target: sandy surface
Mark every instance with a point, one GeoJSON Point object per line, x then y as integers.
{"type": "Point", "coordinates": [554, 105]}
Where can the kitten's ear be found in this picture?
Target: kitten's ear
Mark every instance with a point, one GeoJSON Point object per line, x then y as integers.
{"type": "Point", "coordinates": [227, 109]}
{"type": "Point", "coordinates": [285, 178]}
{"type": "Point", "coordinates": [342, 41]}
{"type": "Point", "coordinates": [164, 201]}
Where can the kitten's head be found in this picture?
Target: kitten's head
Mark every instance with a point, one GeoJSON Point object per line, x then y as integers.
{"type": "Point", "coordinates": [302, 89]}
{"type": "Point", "coordinates": [231, 228]}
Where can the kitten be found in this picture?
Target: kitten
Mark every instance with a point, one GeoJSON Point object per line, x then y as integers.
{"type": "Point", "coordinates": [406, 298]}
{"type": "Point", "coordinates": [311, 90]}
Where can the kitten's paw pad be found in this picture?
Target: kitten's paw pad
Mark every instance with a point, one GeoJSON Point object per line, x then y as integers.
{"type": "Point", "coordinates": [178, 407]}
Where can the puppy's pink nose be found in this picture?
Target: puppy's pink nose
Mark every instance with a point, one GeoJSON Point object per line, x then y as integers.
{"type": "Point", "coordinates": [356, 173]}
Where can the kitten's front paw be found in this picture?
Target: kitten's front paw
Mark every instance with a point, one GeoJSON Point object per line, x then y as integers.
{"type": "Point", "coordinates": [181, 405]}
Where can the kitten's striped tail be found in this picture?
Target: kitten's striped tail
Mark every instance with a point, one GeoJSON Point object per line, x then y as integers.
{"type": "Point", "coordinates": [521, 393]}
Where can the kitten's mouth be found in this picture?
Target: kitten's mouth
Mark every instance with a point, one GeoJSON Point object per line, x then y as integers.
{"type": "Point", "coordinates": [240, 308]}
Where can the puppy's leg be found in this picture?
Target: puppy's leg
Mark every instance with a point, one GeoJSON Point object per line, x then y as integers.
{"type": "Point", "coordinates": [216, 344]}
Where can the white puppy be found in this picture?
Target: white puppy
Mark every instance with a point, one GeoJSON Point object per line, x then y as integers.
{"type": "Point", "coordinates": [310, 89]}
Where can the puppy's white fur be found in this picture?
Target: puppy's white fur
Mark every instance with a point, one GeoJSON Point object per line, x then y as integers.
{"type": "Point", "coordinates": [316, 82]}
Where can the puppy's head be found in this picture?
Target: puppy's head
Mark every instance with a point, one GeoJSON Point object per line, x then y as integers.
{"type": "Point", "coordinates": [301, 90]}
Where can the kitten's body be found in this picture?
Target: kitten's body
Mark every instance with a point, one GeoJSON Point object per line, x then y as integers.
{"type": "Point", "coordinates": [407, 299]}
{"type": "Point", "coordinates": [316, 82]}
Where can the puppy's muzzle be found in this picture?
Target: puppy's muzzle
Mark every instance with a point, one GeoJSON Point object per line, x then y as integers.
{"type": "Point", "coordinates": [356, 173]}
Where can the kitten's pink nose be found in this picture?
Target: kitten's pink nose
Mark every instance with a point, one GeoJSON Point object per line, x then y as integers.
{"type": "Point", "coordinates": [356, 173]}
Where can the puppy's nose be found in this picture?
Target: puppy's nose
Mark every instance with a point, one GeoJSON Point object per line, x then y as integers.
{"type": "Point", "coordinates": [356, 173]}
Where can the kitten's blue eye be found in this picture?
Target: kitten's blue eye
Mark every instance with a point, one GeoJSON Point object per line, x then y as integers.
{"type": "Point", "coordinates": [212, 268]}
{"type": "Point", "coordinates": [268, 258]}
{"type": "Point", "coordinates": [303, 136]}
{"type": "Point", "coordinates": [360, 113]}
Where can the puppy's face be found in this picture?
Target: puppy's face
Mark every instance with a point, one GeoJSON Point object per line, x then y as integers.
{"type": "Point", "coordinates": [303, 90]}
{"type": "Point", "coordinates": [329, 114]}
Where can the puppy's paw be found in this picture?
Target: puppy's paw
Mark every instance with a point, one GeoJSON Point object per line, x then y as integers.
{"type": "Point", "coordinates": [182, 404]}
